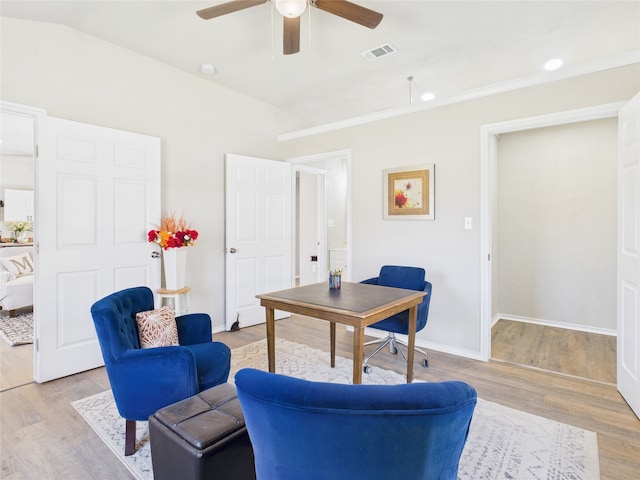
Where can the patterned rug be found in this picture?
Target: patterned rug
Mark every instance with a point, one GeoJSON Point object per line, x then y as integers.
{"type": "Point", "coordinates": [503, 443]}
{"type": "Point", "coordinates": [17, 330]}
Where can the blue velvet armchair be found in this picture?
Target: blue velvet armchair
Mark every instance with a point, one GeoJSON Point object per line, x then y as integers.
{"type": "Point", "coordinates": [324, 431]}
{"type": "Point", "coordinates": [411, 278]}
{"type": "Point", "coordinates": [145, 380]}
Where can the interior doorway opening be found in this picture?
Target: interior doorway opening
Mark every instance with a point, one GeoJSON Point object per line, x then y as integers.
{"type": "Point", "coordinates": [17, 192]}
{"type": "Point", "coordinates": [322, 216]}
{"type": "Point", "coordinates": [555, 239]}
{"type": "Point", "coordinates": [489, 183]}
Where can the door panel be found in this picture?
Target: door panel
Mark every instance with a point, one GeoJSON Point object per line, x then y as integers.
{"type": "Point", "coordinates": [97, 194]}
{"type": "Point", "coordinates": [276, 273]}
{"type": "Point", "coordinates": [628, 343]}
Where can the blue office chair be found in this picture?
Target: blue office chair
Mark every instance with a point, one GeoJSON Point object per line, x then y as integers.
{"type": "Point", "coordinates": [325, 431]}
{"type": "Point", "coordinates": [411, 278]}
{"type": "Point", "coordinates": [145, 380]}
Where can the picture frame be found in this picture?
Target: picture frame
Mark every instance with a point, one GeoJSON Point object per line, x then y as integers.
{"type": "Point", "coordinates": [409, 193]}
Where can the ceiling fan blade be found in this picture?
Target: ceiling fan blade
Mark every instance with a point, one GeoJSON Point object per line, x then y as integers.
{"type": "Point", "coordinates": [350, 11]}
{"type": "Point", "coordinates": [291, 35]}
{"type": "Point", "coordinates": [229, 7]}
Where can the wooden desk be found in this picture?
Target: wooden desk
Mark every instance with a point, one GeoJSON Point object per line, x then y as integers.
{"type": "Point", "coordinates": [355, 304]}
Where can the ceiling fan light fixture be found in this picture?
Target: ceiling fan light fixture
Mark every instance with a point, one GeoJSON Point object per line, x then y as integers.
{"type": "Point", "coordinates": [291, 8]}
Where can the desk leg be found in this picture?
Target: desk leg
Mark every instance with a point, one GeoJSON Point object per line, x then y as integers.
{"type": "Point", "coordinates": [413, 315]}
{"type": "Point", "coordinates": [332, 336]}
{"type": "Point", "coordinates": [271, 340]}
{"type": "Point", "coordinates": [358, 353]}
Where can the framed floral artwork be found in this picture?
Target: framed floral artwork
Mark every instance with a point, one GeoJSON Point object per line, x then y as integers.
{"type": "Point", "coordinates": [409, 193]}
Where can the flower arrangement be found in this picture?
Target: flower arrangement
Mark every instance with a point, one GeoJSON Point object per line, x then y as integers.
{"type": "Point", "coordinates": [173, 233]}
{"type": "Point", "coordinates": [19, 227]}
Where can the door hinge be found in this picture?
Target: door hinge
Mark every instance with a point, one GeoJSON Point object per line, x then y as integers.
{"type": "Point", "coordinates": [37, 150]}
{"type": "Point", "coordinates": [489, 257]}
{"type": "Point", "coordinates": [36, 344]}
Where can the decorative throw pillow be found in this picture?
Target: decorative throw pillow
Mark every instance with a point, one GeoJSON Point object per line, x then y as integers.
{"type": "Point", "coordinates": [18, 265]}
{"type": "Point", "coordinates": [157, 328]}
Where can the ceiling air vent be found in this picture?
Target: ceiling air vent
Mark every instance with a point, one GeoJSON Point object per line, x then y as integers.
{"type": "Point", "coordinates": [381, 51]}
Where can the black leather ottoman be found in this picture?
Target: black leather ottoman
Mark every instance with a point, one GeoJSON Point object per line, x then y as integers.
{"type": "Point", "coordinates": [202, 437]}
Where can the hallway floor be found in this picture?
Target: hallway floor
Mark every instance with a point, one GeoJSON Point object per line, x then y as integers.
{"type": "Point", "coordinates": [570, 352]}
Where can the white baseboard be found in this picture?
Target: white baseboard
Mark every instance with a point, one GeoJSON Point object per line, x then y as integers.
{"type": "Point", "coordinates": [460, 352]}
{"type": "Point", "coordinates": [551, 323]}
{"type": "Point", "coordinates": [218, 328]}
{"type": "Point", "coordinates": [438, 347]}
{"type": "Point", "coordinates": [419, 343]}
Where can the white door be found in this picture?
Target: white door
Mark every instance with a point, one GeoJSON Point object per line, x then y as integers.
{"type": "Point", "coordinates": [98, 193]}
{"type": "Point", "coordinates": [628, 343]}
{"type": "Point", "coordinates": [257, 236]}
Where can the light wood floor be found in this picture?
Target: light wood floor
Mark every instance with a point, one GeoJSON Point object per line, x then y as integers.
{"type": "Point", "coordinates": [571, 352]}
{"type": "Point", "coordinates": [16, 362]}
{"type": "Point", "coordinates": [42, 437]}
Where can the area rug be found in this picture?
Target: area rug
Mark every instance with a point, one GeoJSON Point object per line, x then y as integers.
{"type": "Point", "coordinates": [503, 443]}
{"type": "Point", "coordinates": [17, 330]}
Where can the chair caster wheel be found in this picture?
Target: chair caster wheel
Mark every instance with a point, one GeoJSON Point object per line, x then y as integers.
{"type": "Point", "coordinates": [367, 369]}
{"type": "Point", "coordinates": [425, 362]}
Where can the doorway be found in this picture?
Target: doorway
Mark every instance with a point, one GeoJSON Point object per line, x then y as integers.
{"type": "Point", "coordinates": [489, 179]}
{"type": "Point", "coordinates": [17, 181]}
{"type": "Point", "coordinates": [331, 202]}
{"type": "Point", "coordinates": [66, 234]}
{"type": "Point", "coordinates": [555, 240]}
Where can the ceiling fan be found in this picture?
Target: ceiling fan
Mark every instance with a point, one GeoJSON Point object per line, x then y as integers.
{"type": "Point", "coordinates": [291, 11]}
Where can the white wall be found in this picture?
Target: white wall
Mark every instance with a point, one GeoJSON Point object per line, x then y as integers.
{"type": "Point", "coordinates": [556, 256]}
{"type": "Point", "coordinates": [81, 78]}
{"type": "Point", "coordinates": [448, 136]}
{"type": "Point", "coordinates": [78, 77]}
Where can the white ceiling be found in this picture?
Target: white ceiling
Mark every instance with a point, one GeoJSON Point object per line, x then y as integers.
{"type": "Point", "coordinates": [450, 47]}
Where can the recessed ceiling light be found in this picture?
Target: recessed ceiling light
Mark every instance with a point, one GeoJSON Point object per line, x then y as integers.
{"type": "Point", "coordinates": [427, 96]}
{"type": "Point", "coordinates": [554, 64]}
{"type": "Point", "coordinates": [207, 69]}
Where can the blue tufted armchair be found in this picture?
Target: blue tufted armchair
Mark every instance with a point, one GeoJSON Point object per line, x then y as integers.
{"type": "Point", "coordinates": [411, 278]}
{"type": "Point", "coordinates": [325, 431]}
{"type": "Point", "coordinates": [145, 380]}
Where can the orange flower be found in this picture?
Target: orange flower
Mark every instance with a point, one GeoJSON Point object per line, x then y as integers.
{"type": "Point", "coordinates": [173, 233]}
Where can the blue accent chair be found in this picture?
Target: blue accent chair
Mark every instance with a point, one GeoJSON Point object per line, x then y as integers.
{"type": "Point", "coordinates": [411, 278]}
{"type": "Point", "coordinates": [145, 380]}
{"type": "Point", "coordinates": [324, 431]}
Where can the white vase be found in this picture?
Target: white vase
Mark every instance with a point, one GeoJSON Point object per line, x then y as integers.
{"type": "Point", "coordinates": [175, 268]}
